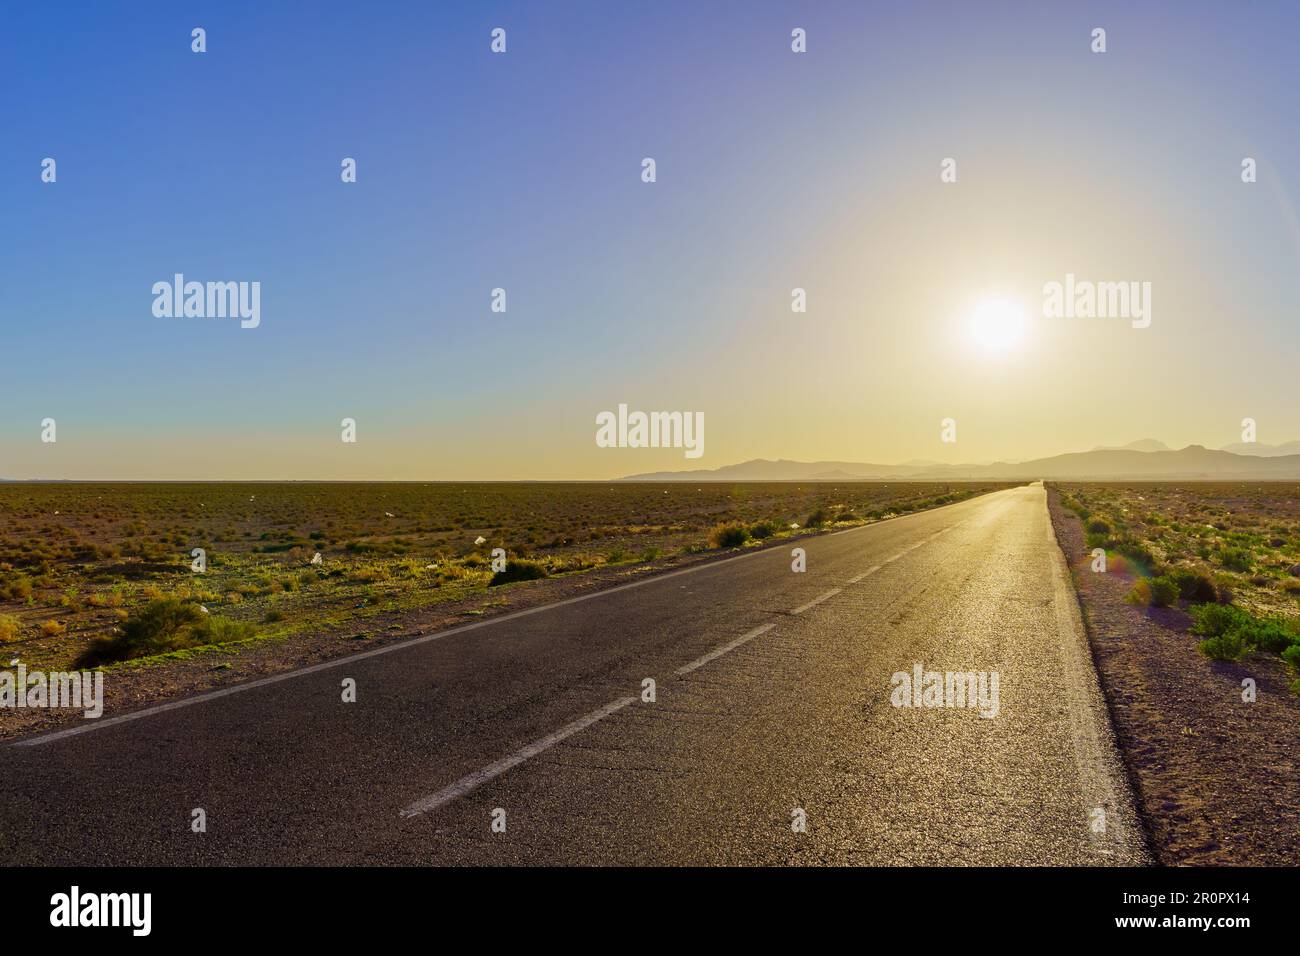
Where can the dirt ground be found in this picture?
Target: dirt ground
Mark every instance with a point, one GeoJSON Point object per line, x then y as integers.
{"type": "Point", "coordinates": [1217, 779]}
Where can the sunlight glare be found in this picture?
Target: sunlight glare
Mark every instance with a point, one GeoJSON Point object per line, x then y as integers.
{"type": "Point", "coordinates": [997, 325]}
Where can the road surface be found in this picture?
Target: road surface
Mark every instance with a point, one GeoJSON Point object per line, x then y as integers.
{"type": "Point", "coordinates": [773, 736]}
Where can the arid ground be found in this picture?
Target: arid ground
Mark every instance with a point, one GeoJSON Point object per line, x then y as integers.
{"type": "Point", "coordinates": [1194, 631]}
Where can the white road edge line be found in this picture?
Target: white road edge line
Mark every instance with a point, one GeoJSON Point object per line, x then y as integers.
{"type": "Point", "coordinates": [104, 722]}
{"type": "Point", "coordinates": [817, 600]}
{"type": "Point", "coordinates": [479, 777]}
{"type": "Point", "coordinates": [717, 652]}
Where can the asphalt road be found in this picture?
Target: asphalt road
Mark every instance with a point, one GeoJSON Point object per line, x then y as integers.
{"type": "Point", "coordinates": [772, 705]}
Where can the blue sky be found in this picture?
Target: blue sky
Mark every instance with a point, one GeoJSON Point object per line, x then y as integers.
{"type": "Point", "coordinates": [522, 171]}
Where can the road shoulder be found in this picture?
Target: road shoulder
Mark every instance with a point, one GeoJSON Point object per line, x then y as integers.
{"type": "Point", "coordinates": [1215, 777]}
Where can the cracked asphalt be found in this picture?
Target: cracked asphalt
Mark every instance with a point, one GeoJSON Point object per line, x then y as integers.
{"type": "Point", "coordinates": [782, 710]}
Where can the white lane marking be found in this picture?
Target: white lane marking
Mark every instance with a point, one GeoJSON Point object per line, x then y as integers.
{"type": "Point", "coordinates": [724, 649]}
{"type": "Point", "coordinates": [906, 550]}
{"type": "Point", "coordinates": [910, 548]}
{"type": "Point", "coordinates": [817, 600]}
{"type": "Point", "coordinates": [872, 570]}
{"type": "Point", "coordinates": [476, 779]}
{"type": "Point", "coordinates": [104, 722]}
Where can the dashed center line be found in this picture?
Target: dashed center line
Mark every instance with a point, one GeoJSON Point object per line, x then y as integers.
{"type": "Point", "coordinates": [872, 570]}
{"type": "Point", "coordinates": [476, 779]}
{"type": "Point", "coordinates": [908, 550]}
{"type": "Point", "coordinates": [473, 781]}
{"type": "Point", "coordinates": [717, 652]}
{"type": "Point", "coordinates": [890, 560]}
{"type": "Point", "coordinates": [817, 600]}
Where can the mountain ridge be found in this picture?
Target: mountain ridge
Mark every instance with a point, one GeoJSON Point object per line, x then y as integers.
{"type": "Point", "coordinates": [1194, 462]}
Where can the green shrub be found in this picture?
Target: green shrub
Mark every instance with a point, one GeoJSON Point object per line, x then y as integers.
{"type": "Point", "coordinates": [762, 529]}
{"type": "Point", "coordinates": [1097, 526]}
{"type": "Point", "coordinates": [1269, 634]}
{"type": "Point", "coordinates": [1193, 586]}
{"type": "Point", "coordinates": [1236, 559]}
{"type": "Point", "coordinates": [1223, 647]}
{"type": "Point", "coordinates": [816, 519]}
{"type": "Point", "coordinates": [1292, 656]}
{"type": "Point", "coordinates": [1212, 620]}
{"type": "Point", "coordinates": [1134, 551]}
{"type": "Point", "coordinates": [728, 535]}
{"type": "Point", "coordinates": [16, 587]}
{"type": "Point", "coordinates": [521, 569]}
{"type": "Point", "coordinates": [1164, 592]}
{"type": "Point", "coordinates": [167, 624]}
{"type": "Point", "coordinates": [1273, 635]}
{"type": "Point", "coordinates": [1140, 593]}
{"type": "Point", "coordinates": [10, 628]}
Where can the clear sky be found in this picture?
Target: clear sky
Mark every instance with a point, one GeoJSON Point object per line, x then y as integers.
{"type": "Point", "coordinates": [522, 170]}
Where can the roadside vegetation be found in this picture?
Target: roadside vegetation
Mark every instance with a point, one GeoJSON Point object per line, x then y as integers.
{"type": "Point", "coordinates": [100, 574]}
{"type": "Point", "coordinates": [1227, 554]}
{"type": "Point", "coordinates": [164, 626]}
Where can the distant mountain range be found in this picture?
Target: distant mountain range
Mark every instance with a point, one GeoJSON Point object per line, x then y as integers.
{"type": "Point", "coordinates": [1142, 444]}
{"type": "Point", "coordinates": [1145, 459]}
{"type": "Point", "coordinates": [1264, 451]}
{"type": "Point", "coordinates": [1239, 448]}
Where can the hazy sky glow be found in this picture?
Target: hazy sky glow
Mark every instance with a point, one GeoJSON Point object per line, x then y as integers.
{"type": "Point", "coordinates": [775, 170]}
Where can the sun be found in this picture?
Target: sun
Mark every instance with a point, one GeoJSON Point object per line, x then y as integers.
{"type": "Point", "coordinates": [998, 325]}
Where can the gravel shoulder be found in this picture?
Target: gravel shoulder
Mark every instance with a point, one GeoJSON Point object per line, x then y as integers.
{"type": "Point", "coordinates": [1216, 777]}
